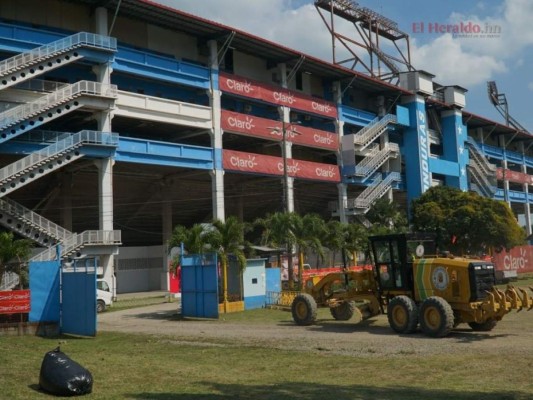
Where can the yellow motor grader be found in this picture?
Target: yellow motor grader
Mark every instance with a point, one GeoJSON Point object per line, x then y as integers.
{"type": "Point", "coordinates": [438, 292]}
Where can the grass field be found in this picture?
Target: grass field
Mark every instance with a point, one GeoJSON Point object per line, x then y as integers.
{"type": "Point", "coordinates": [129, 366]}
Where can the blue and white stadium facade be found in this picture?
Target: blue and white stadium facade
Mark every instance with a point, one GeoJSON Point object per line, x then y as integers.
{"type": "Point", "coordinates": [120, 119]}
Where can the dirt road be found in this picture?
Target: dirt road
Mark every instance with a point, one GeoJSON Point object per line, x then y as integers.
{"type": "Point", "coordinates": [371, 338]}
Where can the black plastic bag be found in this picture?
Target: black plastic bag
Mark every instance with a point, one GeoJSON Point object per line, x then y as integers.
{"type": "Point", "coordinates": [62, 376]}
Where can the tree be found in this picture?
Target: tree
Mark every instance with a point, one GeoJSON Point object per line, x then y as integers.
{"type": "Point", "coordinates": [307, 232]}
{"type": "Point", "coordinates": [194, 239]}
{"type": "Point", "coordinates": [14, 253]}
{"type": "Point", "coordinates": [228, 238]}
{"type": "Point", "coordinates": [278, 233]}
{"type": "Point", "coordinates": [465, 222]}
{"type": "Point", "coordinates": [355, 239]}
{"type": "Point", "coordinates": [334, 239]}
{"type": "Point", "coordinates": [385, 215]}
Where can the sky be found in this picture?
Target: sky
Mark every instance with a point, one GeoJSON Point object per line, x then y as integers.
{"type": "Point", "coordinates": [468, 60]}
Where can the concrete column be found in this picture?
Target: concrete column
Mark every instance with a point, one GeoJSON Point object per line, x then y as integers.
{"type": "Point", "coordinates": [285, 112]}
{"type": "Point", "coordinates": [66, 195]}
{"type": "Point", "coordinates": [217, 174]}
{"type": "Point", "coordinates": [506, 197]}
{"type": "Point", "coordinates": [416, 148]}
{"type": "Point", "coordinates": [167, 226]}
{"type": "Point", "coordinates": [527, 206]}
{"type": "Point", "coordinates": [342, 188]}
{"type": "Point", "coordinates": [454, 136]}
{"type": "Point", "coordinates": [286, 153]}
{"type": "Point", "coordinates": [343, 201]}
{"type": "Point", "coordinates": [101, 21]}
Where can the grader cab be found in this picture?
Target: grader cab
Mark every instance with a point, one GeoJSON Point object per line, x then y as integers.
{"type": "Point", "coordinates": [415, 286]}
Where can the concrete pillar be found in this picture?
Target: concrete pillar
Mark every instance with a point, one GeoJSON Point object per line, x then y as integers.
{"type": "Point", "coordinates": [286, 153]}
{"type": "Point", "coordinates": [66, 195]}
{"type": "Point", "coordinates": [503, 145]}
{"type": "Point", "coordinates": [416, 148]}
{"type": "Point", "coordinates": [342, 188]}
{"type": "Point", "coordinates": [217, 174]}
{"type": "Point", "coordinates": [101, 21]}
{"type": "Point", "coordinates": [527, 206]}
{"type": "Point", "coordinates": [167, 226]}
{"type": "Point", "coordinates": [454, 136]}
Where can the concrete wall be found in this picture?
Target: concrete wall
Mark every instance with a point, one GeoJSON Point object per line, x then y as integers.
{"type": "Point", "coordinates": [139, 269]}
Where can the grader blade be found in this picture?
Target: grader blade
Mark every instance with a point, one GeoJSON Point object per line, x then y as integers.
{"type": "Point", "coordinates": [519, 298]}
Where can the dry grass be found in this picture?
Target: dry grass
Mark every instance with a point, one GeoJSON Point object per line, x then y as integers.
{"type": "Point", "coordinates": [129, 366]}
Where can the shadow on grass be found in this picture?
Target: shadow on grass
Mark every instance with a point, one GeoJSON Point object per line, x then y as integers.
{"type": "Point", "coordinates": [464, 335]}
{"type": "Point", "coordinates": [309, 391]}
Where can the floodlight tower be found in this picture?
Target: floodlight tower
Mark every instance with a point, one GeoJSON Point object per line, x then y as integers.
{"type": "Point", "coordinates": [364, 50]}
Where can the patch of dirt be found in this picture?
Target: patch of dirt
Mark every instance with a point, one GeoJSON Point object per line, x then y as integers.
{"type": "Point", "coordinates": [370, 338]}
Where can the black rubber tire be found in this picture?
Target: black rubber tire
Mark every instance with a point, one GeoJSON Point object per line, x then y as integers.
{"type": "Point", "coordinates": [436, 317]}
{"type": "Point", "coordinates": [402, 314]}
{"type": "Point", "coordinates": [304, 309]}
{"type": "Point", "coordinates": [100, 306]}
{"type": "Point", "coordinates": [483, 327]}
{"type": "Point", "coordinates": [344, 311]}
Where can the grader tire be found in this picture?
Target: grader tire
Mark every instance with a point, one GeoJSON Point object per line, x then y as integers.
{"type": "Point", "coordinates": [304, 309]}
{"type": "Point", "coordinates": [436, 317]}
{"type": "Point", "coordinates": [402, 314]}
{"type": "Point", "coordinates": [344, 311]}
{"type": "Point", "coordinates": [484, 326]}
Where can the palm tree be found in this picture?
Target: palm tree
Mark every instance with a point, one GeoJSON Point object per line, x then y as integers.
{"type": "Point", "coordinates": [308, 231]}
{"type": "Point", "coordinates": [194, 239]}
{"type": "Point", "coordinates": [356, 237]}
{"type": "Point", "coordinates": [11, 249]}
{"type": "Point", "coordinates": [278, 233]}
{"type": "Point", "coordinates": [228, 238]}
{"type": "Point", "coordinates": [334, 239]}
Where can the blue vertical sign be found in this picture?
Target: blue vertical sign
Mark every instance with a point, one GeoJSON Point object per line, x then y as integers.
{"type": "Point", "coordinates": [416, 150]}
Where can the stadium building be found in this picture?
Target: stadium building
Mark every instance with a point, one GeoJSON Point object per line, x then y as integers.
{"type": "Point", "coordinates": [122, 118]}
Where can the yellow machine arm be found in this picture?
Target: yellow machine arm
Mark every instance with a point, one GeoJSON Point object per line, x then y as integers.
{"type": "Point", "coordinates": [512, 298]}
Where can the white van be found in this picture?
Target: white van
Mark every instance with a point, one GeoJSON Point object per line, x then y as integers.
{"type": "Point", "coordinates": [104, 297]}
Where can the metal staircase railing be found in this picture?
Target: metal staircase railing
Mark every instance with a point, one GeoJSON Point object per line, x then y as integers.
{"type": "Point", "coordinates": [79, 240]}
{"type": "Point", "coordinates": [38, 61]}
{"type": "Point", "coordinates": [376, 159]}
{"type": "Point", "coordinates": [374, 192]}
{"type": "Point", "coordinates": [30, 224]}
{"type": "Point", "coordinates": [9, 281]}
{"type": "Point", "coordinates": [52, 157]}
{"type": "Point", "coordinates": [21, 113]}
{"type": "Point", "coordinates": [478, 153]}
{"type": "Point", "coordinates": [373, 130]}
{"type": "Point", "coordinates": [485, 186]}
{"type": "Point", "coordinates": [481, 170]}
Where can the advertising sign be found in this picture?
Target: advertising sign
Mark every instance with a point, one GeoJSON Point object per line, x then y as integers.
{"type": "Point", "coordinates": [273, 130]}
{"type": "Point", "coordinates": [513, 176]}
{"type": "Point", "coordinates": [14, 301]}
{"type": "Point", "coordinates": [276, 95]}
{"type": "Point", "coordinates": [519, 259]}
{"type": "Point", "coordinates": [270, 165]}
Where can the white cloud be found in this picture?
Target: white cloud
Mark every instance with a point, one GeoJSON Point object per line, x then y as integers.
{"type": "Point", "coordinates": [448, 60]}
{"type": "Point", "coordinates": [299, 28]}
{"type": "Point", "coordinates": [462, 61]}
{"type": "Point", "coordinates": [469, 60]}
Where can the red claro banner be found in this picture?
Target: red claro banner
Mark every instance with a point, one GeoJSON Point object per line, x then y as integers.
{"type": "Point", "coordinates": [519, 259]}
{"type": "Point", "coordinates": [14, 301]}
{"type": "Point", "coordinates": [273, 130]}
{"type": "Point", "coordinates": [270, 165]}
{"type": "Point", "coordinates": [275, 95]}
{"type": "Point", "coordinates": [513, 176]}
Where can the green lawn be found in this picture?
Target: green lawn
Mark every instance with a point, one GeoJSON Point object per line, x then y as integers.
{"type": "Point", "coordinates": [128, 366]}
